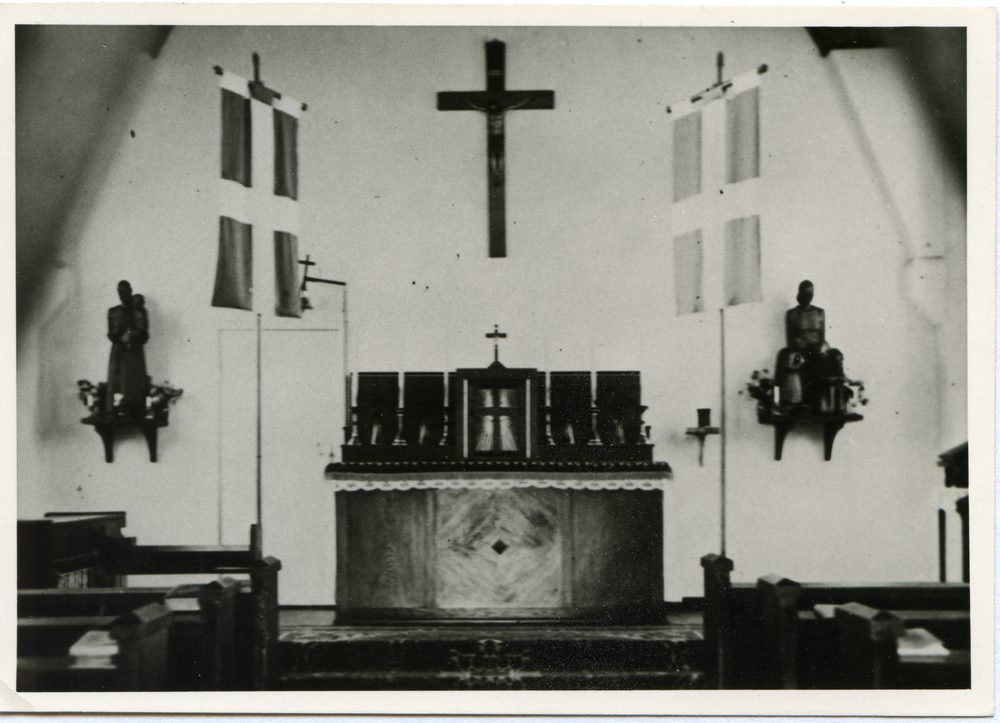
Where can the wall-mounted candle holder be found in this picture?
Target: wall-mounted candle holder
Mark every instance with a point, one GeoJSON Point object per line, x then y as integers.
{"type": "Point", "coordinates": [703, 429]}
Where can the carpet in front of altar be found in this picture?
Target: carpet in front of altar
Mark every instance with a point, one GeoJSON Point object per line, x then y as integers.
{"type": "Point", "coordinates": [490, 657]}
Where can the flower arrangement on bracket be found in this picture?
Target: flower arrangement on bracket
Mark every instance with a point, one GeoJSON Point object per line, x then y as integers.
{"type": "Point", "coordinates": [159, 397]}
{"type": "Point", "coordinates": [835, 397]}
{"type": "Point", "coordinates": [92, 395]}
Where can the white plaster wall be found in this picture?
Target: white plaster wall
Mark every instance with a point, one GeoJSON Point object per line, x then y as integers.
{"type": "Point", "coordinates": [393, 197]}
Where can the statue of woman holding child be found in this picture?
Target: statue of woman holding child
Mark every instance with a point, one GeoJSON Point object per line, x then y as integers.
{"type": "Point", "coordinates": [128, 330]}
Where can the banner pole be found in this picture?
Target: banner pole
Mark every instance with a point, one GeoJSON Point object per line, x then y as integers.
{"type": "Point", "coordinates": [260, 524]}
{"type": "Point", "coordinates": [722, 426]}
{"type": "Point", "coordinates": [347, 374]}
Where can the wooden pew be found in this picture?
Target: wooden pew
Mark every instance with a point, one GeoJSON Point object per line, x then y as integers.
{"type": "Point", "coordinates": [769, 635]}
{"type": "Point", "coordinates": [95, 653]}
{"type": "Point", "coordinates": [256, 604]}
{"type": "Point", "coordinates": [201, 643]}
{"type": "Point", "coordinates": [876, 649]}
{"type": "Point", "coordinates": [67, 540]}
{"type": "Point", "coordinates": [797, 640]}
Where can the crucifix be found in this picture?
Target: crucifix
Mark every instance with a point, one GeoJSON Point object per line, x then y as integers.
{"type": "Point", "coordinates": [494, 102]}
{"type": "Point", "coordinates": [494, 335]}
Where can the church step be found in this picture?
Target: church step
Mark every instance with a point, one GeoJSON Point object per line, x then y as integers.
{"type": "Point", "coordinates": [414, 657]}
{"type": "Point", "coordinates": [500, 679]}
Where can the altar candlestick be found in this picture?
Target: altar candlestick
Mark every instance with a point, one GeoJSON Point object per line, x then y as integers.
{"type": "Point", "coordinates": [595, 437]}
{"type": "Point", "coordinates": [348, 403]}
{"type": "Point", "coordinates": [446, 431]}
{"type": "Point", "coordinates": [400, 411]}
{"type": "Point", "coordinates": [703, 429]}
{"type": "Point", "coordinates": [548, 410]}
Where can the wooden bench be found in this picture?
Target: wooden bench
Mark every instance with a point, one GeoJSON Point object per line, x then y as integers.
{"type": "Point", "coordinates": [88, 550]}
{"type": "Point", "coordinates": [802, 639]}
{"type": "Point", "coordinates": [94, 653]}
{"type": "Point", "coordinates": [881, 649]}
{"type": "Point", "coordinates": [256, 605]}
{"type": "Point", "coordinates": [771, 635]}
{"type": "Point", "coordinates": [201, 642]}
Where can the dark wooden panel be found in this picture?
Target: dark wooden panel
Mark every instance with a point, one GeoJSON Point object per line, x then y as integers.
{"type": "Point", "coordinates": [54, 602]}
{"type": "Point", "coordinates": [499, 548]}
{"type": "Point", "coordinates": [383, 557]}
{"type": "Point", "coordinates": [378, 399]}
{"type": "Point", "coordinates": [570, 399]}
{"type": "Point", "coordinates": [423, 421]}
{"type": "Point", "coordinates": [619, 419]}
{"type": "Point", "coordinates": [617, 548]}
{"type": "Point", "coordinates": [178, 559]}
{"type": "Point", "coordinates": [888, 596]}
{"type": "Point", "coordinates": [65, 542]}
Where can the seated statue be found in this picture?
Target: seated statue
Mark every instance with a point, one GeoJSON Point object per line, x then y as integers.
{"type": "Point", "coordinates": [809, 375]}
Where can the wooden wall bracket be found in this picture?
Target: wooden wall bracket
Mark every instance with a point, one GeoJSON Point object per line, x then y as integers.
{"type": "Point", "coordinates": [832, 423]}
{"type": "Point", "coordinates": [105, 426]}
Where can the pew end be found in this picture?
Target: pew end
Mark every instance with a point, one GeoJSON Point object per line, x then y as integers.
{"type": "Point", "coordinates": [123, 653]}
{"type": "Point", "coordinates": [781, 633]}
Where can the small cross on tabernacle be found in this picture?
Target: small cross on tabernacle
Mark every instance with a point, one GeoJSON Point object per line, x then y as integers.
{"type": "Point", "coordinates": [494, 335]}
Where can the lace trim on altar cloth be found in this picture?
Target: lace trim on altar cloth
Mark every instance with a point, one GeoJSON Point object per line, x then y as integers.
{"type": "Point", "coordinates": [352, 477]}
{"type": "Point", "coordinates": [497, 475]}
{"type": "Point", "coordinates": [465, 483]}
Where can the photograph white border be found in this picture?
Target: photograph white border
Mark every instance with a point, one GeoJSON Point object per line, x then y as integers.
{"type": "Point", "coordinates": [981, 23]}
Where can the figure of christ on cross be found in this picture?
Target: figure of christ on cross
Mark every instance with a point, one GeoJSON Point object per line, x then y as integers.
{"type": "Point", "coordinates": [494, 102]}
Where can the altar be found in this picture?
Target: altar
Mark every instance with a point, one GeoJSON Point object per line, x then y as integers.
{"type": "Point", "coordinates": [499, 494]}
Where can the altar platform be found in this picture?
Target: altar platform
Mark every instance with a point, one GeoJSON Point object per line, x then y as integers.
{"type": "Point", "coordinates": [513, 656]}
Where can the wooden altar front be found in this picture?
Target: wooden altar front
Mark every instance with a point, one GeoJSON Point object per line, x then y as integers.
{"type": "Point", "coordinates": [499, 494]}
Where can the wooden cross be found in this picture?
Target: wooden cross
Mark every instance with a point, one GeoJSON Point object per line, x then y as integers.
{"type": "Point", "coordinates": [259, 91]}
{"type": "Point", "coordinates": [494, 102]}
{"type": "Point", "coordinates": [307, 263]}
{"type": "Point", "coordinates": [494, 335]}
